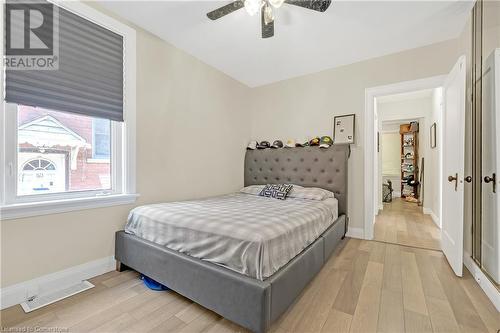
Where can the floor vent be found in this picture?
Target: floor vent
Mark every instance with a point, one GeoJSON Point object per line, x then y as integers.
{"type": "Point", "coordinates": [36, 302]}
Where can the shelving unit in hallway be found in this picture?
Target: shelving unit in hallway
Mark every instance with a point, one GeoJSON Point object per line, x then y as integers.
{"type": "Point", "coordinates": [409, 160]}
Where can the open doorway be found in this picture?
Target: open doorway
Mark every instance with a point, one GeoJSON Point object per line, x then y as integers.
{"type": "Point", "coordinates": [450, 140]}
{"type": "Point", "coordinates": [408, 173]}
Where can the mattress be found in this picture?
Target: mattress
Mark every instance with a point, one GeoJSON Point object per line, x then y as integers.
{"type": "Point", "coordinates": [249, 234]}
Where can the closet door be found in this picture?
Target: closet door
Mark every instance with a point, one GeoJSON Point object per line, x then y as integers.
{"type": "Point", "coordinates": [452, 232]}
{"type": "Point", "coordinates": [490, 199]}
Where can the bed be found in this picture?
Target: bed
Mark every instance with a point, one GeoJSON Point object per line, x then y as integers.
{"type": "Point", "coordinates": [259, 273]}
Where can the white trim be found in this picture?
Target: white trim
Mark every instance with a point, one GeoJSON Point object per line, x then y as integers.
{"type": "Point", "coordinates": [434, 217]}
{"type": "Point", "coordinates": [28, 209]}
{"type": "Point", "coordinates": [486, 285]}
{"type": "Point", "coordinates": [370, 145]}
{"type": "Point", "coordinates": [355, 232]}
{"type": "Point", "coordinates": [18, 293]}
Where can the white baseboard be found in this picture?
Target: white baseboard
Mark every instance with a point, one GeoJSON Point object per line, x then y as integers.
{"type": "Point", "coordinates": [489, 289]}
{"type": "Point", "coordinates": [18, 293]}
{"type": "Point", "coordinates": [428, 211]}
{"type": "Point", "coordinates": [396, 194]}
{"type": "Point", "coordinates": [355, 233]}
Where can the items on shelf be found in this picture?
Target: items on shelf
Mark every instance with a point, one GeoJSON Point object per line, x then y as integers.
{"type": "Point", "coordinates": [323, 142]}
{"type": "Point", "coordinates": [408, 142]}
{"type": "Point", "coordinates": [409, 158]}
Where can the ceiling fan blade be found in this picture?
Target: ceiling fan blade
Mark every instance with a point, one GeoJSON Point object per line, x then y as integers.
{"type": "Point", "coordinates": [317, 5]}
{"type": "Point", "coordinates": [267, 29]}
{"type": "Point", "coordinates": [224, 10]}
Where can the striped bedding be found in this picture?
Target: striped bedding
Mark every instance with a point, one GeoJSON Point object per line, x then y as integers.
{"type": "Point", "coordinates": [246, 233]}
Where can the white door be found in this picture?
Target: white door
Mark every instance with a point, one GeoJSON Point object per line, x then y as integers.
{"type": "Point", "coordinates": [41, 173]}
{"type": "Point", "coordinates": [490, 247]}
{"type": "Point", "coordinates": [453, 166]}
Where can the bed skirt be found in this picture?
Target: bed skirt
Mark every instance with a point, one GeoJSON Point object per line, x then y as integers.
{"type": "Point", "coordinates": [251, 303]}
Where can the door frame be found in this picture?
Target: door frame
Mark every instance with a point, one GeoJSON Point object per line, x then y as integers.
{"type": "Point", "coordinates": [370, 139]}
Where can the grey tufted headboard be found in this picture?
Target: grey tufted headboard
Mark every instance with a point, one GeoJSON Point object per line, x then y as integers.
{"type": "Point", "coordinates": [308, 166]}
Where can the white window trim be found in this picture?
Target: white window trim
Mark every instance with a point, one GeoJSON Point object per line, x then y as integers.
{"type": "Point", "coordinates": [125, 192]}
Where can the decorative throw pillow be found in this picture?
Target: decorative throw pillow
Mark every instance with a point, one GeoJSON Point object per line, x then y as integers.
{"type": "Point", "coordinates": [277, 191]}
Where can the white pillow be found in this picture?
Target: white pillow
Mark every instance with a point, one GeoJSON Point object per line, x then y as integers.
{"type": "Point", "coordinates": [253, 189]}
{"type": "Point", "coordinates": [299, 192]}
{"type": "Point", "coordinates": [311, 193]}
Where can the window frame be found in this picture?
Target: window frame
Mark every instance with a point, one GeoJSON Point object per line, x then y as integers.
{"type": "Point", "coordinates": [123, 151]}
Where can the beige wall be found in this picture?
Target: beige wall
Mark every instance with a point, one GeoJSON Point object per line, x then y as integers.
{"type": "Point", "coordinates": [432, 166]}
{"type": "Point", "coordinates": [192, 129]}
{"type": "Point", "coordinates": [390, 148]}
{"type": "Point", "coordinates": [306, 105]}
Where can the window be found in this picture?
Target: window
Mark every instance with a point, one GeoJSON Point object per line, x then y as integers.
{"type": "Point", "coordinates": [69, 142]}
{"type": "Point", "coordinates": [101, 147]}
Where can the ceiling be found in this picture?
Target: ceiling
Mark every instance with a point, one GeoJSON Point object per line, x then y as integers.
{"type": "Point", "coordinates": [305, 41]}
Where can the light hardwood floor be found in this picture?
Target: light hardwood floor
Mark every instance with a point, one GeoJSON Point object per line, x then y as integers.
{"type": "Point", "coordinates": [366, 286]}
{"type": "Point", "coordinates": [404, 223]}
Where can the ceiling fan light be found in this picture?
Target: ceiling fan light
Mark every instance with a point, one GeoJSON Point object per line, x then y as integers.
{"type": "Point", "coordinates": [252, 6]}
{"type": "Point", "coordinates": [276, 3]}
{"type": "Point", "coordinates": [268, 14]}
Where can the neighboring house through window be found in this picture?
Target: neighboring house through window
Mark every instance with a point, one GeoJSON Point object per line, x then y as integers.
{"type": "Point", "coordinates": [101, 147]}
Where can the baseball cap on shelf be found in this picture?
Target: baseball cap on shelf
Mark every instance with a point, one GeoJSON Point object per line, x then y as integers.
{"type": "Point", "coordinates": [277, 144]}
{"type": "Point", "coordinates": [314, 141]}
{"type": "Point", "coordinates": [325, 142]}
{"type": "Point", "coordinates": [290, 143]}
{"type": "Point", "coordinates": [263, 145]}
{"type": "Point", "coordinates": [252, 145]}
{"type": "Point", "coordinates": [303, 142]}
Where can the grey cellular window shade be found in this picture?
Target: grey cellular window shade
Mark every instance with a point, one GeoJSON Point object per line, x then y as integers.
{"type": "Point", "coordinates": [89, 80]}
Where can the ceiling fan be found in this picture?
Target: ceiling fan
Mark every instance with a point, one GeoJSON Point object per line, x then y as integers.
{"type": "Point", "coordinates": [266, 10]}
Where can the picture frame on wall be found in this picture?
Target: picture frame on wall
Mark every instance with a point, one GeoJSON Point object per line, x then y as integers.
{"type": "Point", "coordinates": [343, 129]}
{"type": "Point", "coordinates": [433, 136]}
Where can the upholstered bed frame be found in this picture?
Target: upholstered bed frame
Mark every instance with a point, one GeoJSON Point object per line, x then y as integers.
{"type": "Point", "coordinates": [251, 303]}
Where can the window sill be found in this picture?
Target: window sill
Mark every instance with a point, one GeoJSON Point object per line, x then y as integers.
{"type": "Point", "coordinates": [15, 211]}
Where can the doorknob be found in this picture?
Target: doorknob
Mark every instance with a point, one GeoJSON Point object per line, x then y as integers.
{"type": "Point", "coordinates": [455, 179]}
{"type": "Point", "coordinates": [492, 179]}
{"type": "Point", "coordinates": [468, 179]}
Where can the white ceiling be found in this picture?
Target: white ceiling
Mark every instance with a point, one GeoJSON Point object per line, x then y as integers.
{"type": "Point", "coordinates": [305, 41]}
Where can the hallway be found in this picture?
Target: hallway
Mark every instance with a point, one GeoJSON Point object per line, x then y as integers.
{"type": "Point", "coordinates": [404, 223]}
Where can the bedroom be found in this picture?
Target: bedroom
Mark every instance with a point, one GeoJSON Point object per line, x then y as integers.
{"type": "Point", "coordinates": [194, 92]}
